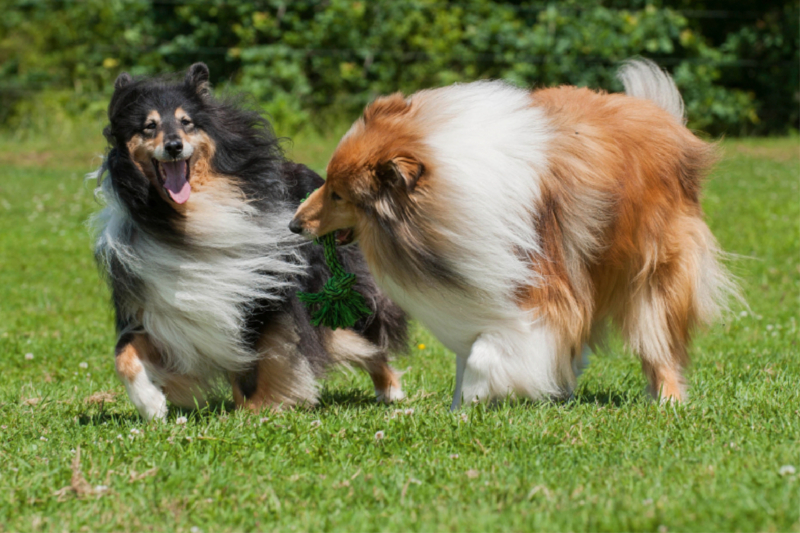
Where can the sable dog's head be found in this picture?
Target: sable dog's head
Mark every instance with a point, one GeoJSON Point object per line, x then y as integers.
{"type": "Point", "coordinates": [372, 175]}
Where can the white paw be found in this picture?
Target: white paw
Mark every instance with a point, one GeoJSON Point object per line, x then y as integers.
{"type": "Point", "coordinates": [390, 395]}
{"type": "Point", "coordinates": [148, 399]}
{"type": "Point", "coordinates": [155, 409]}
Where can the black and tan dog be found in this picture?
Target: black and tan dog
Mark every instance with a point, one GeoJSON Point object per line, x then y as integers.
{"type": "Point", "coordinates": [202, 267]}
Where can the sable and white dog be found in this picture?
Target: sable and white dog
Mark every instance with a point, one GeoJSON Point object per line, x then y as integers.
{"type": "Point", "coordinates": [514, 224]}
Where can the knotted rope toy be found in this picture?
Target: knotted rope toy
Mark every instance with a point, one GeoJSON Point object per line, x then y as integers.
{"type": "Point", "coordinates": [338, 305]}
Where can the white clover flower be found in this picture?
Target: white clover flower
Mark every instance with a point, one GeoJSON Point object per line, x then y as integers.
{"type": "Point", "coordinates": [316, 424]}
{"type": "Point", "coordinates": [28, 356]}
{"type": "Point", "coordinates": [379, 435]}
{"type": "Point", "coordinates": [181, 420]}
{"type": "Point", "coordinates": [135, 431]}
{"type": "Point", "coordinates": [43, 438]}
{"type": "Point", "coordinates": [83, 364]}
{"type": "Point", "coordinates": [453, 456]}
{"type": "Point", "coordinates": [786, 470]}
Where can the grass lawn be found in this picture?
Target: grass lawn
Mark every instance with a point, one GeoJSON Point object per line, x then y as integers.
{"type": "Point", "coordinates": [609, 460]}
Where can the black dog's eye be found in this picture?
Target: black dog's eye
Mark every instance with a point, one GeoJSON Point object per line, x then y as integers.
{"type": "Point", "coordinates": [150, 125]}
{"type": "Point", "coordinates": [186, 122]}
{"type": "Point", "coordinates": [335, 196]}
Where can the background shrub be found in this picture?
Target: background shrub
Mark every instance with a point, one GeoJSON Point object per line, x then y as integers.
{"type": "Point", "coordinates": [313, 62]}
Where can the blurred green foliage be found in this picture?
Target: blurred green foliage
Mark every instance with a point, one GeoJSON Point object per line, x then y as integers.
{"type": "Point", "coordinates": [315, 62]}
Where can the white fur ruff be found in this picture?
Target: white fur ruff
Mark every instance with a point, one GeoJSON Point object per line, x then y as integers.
{"type": "Point", "coordinates": [490, 145]}
{"type": "Point", "coordinates": [194, 298]}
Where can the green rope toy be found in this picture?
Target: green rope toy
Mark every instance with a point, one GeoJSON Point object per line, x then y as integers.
{"type": "Point", "coordinates": [338, 305]}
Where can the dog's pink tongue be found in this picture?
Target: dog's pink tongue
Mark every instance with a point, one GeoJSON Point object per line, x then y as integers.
{"type": "Point", "coordinates": [175, 180]}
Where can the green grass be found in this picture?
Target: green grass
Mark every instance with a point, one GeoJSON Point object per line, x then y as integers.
{"type": "Point", "coordinates": [608, 460]}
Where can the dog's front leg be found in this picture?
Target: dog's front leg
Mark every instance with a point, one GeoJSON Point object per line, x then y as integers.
{"type": "Point", "coordinates": [133, 355]}
{"type": "Point", "coordinates": [461, 364]}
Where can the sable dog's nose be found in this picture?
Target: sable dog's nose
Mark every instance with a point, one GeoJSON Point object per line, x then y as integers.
{"type": "Point", "coordinates": [174, 147]}
{"type": "Point", "coordinates": [295, 226]}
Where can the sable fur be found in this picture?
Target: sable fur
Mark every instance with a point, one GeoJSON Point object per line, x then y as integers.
{"type": "Point", "coordinates": [204, 283]}
{"type": "Point", "coordinates": [515, 224]}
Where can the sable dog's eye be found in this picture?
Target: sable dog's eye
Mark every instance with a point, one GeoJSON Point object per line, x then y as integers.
{"type": "Point", "coordinates": [335, 196]}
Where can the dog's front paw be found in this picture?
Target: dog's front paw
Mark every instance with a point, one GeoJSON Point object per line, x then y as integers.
{"type": "Point", "coordinates": [147, 397]}
{"type": "Point", "coordinates": [154, 409]}
{"type": "Point", "coordinates": [390, 395]}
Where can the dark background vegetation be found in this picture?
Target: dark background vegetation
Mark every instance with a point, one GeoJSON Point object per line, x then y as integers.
{"type": "Point", "coordinates": [310, 63]}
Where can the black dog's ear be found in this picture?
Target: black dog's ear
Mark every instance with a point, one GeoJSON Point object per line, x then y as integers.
{"type": "Point", "coordinates": [197, 78]}
{"type": "Point", "coordinates": [122, 80]}
{"type": "Point", "coordinates": [108, 133]}
{"type": "Point", "coordinates": [300, 180]}
{"type": "Point", "coordinates": [404, 171]}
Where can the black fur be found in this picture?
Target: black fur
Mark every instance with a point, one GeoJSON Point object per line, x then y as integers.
{"type": "Point", "coordinates": [248, 153]}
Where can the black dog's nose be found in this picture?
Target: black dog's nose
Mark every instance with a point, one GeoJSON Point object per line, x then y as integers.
{"type": "Point", "coordinates": [174, 147]}
{"type": "Point", "coordinates": [295, 226]}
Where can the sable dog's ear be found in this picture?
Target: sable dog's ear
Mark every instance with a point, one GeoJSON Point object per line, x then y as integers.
{"type": "Point", "coordinates": [197, 78]}
{"type": "Point", "coordinates": [404, 171]}
{"type": "Point", "coordinates": [122, 80]}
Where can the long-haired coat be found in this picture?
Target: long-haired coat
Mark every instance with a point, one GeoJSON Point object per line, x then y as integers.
{"type": "Point", "coordinates": [515, 224]}
{"type": "Point", "coordinates": [203, 270]}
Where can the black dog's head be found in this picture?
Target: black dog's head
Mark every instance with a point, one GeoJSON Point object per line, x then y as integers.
{"type": "Point", "coordinates": [170, 138]}
{"type": "Point", "coordinates": [161, 127]}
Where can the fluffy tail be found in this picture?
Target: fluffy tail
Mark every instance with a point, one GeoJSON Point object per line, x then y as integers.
{"type": "Point", "coordinates": [644, 79]}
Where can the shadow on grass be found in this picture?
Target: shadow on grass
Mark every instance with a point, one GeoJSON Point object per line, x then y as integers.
{"type": "Point", "coordinates": [352, 398]}
{"type": "Point", "coordinates": [606, 397]}
{"type": "Point", "coordinates": [360, 400]}
{"type": "Point", "coordinates": [104, 417]}
{"type": "Point", "coordinates": [599, 398]}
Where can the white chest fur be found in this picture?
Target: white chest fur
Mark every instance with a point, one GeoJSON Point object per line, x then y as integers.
{"type": "Point", "coordinates": [193, 299]}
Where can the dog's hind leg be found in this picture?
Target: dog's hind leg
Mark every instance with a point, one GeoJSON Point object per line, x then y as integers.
{"type": "Point", "coordinates": [349, 347]}
{"type": "Point", "coordinates": [657, 325]}
{"type": "Point", "coordinates": [388, 388]}
{"type": "Point", "coordinates": [658, 332]}
{"type": "Point", "coordinates": [134, 353]}
{"type": "Point", "coordinates": [282, 377]}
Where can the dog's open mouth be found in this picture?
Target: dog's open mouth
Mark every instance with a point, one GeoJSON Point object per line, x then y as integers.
{"type": "Point", "coordinates": [174, 178]}
{"type": "Point", "coordinates": [344, 236]}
